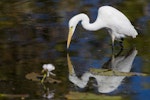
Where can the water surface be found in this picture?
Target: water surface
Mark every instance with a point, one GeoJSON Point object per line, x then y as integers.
{"type": "Point", "coordinates": [33, 33]}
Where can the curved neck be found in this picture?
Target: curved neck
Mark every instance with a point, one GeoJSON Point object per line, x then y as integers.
{"type": "Point", "coordinates": [98, 24]}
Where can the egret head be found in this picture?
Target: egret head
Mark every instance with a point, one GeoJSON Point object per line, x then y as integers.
{"type": "Point", "coordinates": [72, 26]}
{"type": "Point", "coordinates": [73, 23]}
{"type": "Point", "coordinates": [70, 34]}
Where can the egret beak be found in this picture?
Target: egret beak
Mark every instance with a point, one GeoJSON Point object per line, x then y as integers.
{"type": "Point", "coordinates": [69, 36]}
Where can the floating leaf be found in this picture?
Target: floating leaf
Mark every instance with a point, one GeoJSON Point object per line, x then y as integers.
{"type": "Point", "coordinates": [90, 96]}
{"type": "Point", "coordinates": [51, 80]}
{"type": "Point", "coordinates": [108, 72]}
{"type": "Point", "coordinates": [33, 76]}
{"type": "Point", "coordinates": [37, 77]}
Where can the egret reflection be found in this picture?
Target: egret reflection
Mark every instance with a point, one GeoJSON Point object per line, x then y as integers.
{"type": "Point", "coordinates": [106, 82]}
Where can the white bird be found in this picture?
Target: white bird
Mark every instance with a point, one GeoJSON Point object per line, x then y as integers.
{"type": "Point", "coordinates": [116, 22]}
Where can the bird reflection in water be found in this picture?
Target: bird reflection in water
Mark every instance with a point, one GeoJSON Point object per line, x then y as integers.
{"type": "Point", "coordinates": [105, 83]}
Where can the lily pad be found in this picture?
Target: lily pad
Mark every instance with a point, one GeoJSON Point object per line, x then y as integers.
{"type": "Point", "coordinates": [108, 72]}
{"type": "Point", "coordinates": [33, 76]}
{"type": "Point", "coordinates": [37, 77]}
{"type": "Point", "coordinates": [90, 96]}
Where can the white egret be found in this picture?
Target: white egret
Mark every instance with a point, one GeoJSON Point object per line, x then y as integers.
{"type": "Point", "coordinates": [116, 22]}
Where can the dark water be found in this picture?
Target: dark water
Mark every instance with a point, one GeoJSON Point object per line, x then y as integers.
{"type": "Point", "coordinates": [34, 32]}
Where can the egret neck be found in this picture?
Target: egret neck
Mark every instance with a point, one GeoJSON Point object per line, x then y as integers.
{"type": "Point", "coordinates": [85, 22]}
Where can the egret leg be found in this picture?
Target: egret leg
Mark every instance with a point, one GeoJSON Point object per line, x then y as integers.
{"type": "Point", "coordinates": [112, 48]}
{"type": "Point", "coordinates": [113, 39]}
{"type": "Point", "coordinates": [121, 43]}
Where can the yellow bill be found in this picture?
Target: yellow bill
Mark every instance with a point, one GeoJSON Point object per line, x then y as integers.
{"type": "Point", "coordinates": [69, 37]}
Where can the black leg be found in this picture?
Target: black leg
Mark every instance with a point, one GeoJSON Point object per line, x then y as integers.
{"type": "Point", "coordinates": [112, 49]}
{"type": "Point", "coordinates": [121, 43]}
{"type": "Point", "coordinates": [113, 40]}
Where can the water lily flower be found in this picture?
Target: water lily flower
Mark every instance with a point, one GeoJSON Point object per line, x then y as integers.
{"type": "Point", "coordinates": [48, 68]}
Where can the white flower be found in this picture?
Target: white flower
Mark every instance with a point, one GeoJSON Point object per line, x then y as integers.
{"type": "Point", "coordinates": [49, 68]}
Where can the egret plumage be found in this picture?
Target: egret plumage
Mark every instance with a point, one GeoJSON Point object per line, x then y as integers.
{"type": "Point", "coordinates": [116, 22]}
